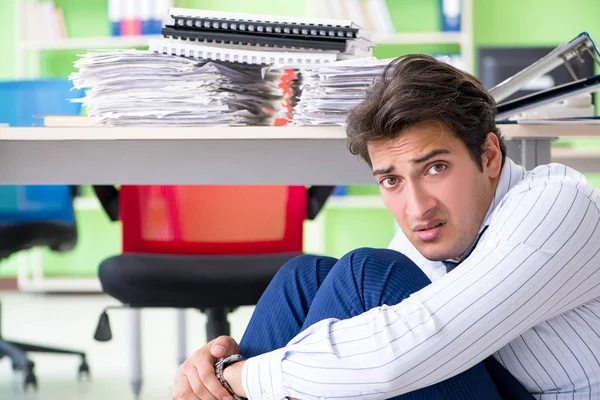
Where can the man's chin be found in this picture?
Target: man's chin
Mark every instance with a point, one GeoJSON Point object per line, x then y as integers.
{"type": "Point", "coordinates": [436, 253]}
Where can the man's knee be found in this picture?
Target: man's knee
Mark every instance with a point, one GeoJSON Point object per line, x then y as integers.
{"type": "Point", "coordinates": [304, 265]}
{"type": "Point", "coordinates": [380, 274]}
{"type": "Point", "coordinates": [376, 259]}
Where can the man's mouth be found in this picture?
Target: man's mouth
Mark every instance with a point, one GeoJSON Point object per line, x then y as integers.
{"type": "Point", "coordinates": [429, 231]}
{"type": "Point", "coordinates": [429, 225]}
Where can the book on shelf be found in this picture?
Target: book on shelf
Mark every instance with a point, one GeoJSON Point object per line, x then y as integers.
{"type": "Point", "coordinates": [450, 11]}
{"type": "Point", "coordinates": [372, 15]}
{"type": "Point", "coordinates": [44, 21]}
{"type": "Point", "coordinates": [137, 17]}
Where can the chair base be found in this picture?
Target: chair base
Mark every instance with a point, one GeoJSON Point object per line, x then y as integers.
{"type": "Point", "coordinates": [34, 348]}
{"type": "Point", "coordinates": [17, 352]}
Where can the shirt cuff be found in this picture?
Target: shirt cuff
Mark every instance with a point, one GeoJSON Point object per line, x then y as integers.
{"type": "Point", "coordinates": [262, 376]}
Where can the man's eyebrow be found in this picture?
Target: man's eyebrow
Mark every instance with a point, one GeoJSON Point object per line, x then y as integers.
{"type": "Point", "coordinates": [419, 160]}
{"type": "Point", "coordinates": [429, 156]}
{"type": "Point", "coordinates": [383, 171]}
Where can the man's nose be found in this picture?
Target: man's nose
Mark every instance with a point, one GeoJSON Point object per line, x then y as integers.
{"type": "Point", "coordinates": [419, 202]}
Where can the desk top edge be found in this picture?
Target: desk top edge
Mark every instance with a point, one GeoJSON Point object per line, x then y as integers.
{"type": "Point", "coordinates": [256, 132]}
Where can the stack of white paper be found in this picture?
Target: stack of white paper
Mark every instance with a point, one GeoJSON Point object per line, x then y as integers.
{"type": "Point", "coordinates": [331, 91]}
{"type": "Point", "coordinates": [144, 88]}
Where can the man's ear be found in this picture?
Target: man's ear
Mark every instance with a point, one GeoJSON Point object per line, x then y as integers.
{"type": "Point", "coordinates": [491, 157]}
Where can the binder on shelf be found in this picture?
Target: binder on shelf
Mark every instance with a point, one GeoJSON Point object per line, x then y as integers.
{"type": "Point", "coordinates": [130, 23]}
{"type": "Point", "coordinates": [160, 12]}
{"type": "Point", "coordinates": [115, 14]}
{"type": "Point", "coordinates": [450, 11]}
{"type": "Point", "coordinates": [146, 12]}
{"type": "Point", "coordinates": [44, 21]}
{"type": "Point", "coordinates": [380, 16]}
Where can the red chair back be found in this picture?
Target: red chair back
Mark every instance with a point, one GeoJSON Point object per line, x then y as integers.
{"type": "Point", "coordinates": [212, 220]}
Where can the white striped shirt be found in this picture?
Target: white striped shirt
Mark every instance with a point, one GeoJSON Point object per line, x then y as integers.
{"type": "Point", "coordinates": [529, 294]}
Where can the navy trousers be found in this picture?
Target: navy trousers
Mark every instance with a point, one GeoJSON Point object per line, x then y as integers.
{"type": "Point", "coordinates": [308, 289]}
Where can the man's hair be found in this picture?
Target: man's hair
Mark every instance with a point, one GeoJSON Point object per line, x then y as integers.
{"type": "Point", "coordinates": [418, 88]}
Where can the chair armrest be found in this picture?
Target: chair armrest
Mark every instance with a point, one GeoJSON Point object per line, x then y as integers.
{"type": "Point", "coordinates": [109, 199]}
{"type": "Point", "coordinates": [317, 196]}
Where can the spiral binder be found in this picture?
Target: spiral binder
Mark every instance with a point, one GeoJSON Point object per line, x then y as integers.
{"type": "Point", "coordinates": [239, 54]}
{"type": "Point", "coordinates": [263, 19]}
{"type": "Point", "coordinates": [276, 28]}
{"type": "Point", "coordinates": [257, 40]}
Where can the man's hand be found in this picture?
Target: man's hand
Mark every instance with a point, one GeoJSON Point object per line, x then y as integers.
{"type": "Point", "coordinates": [196, 378]}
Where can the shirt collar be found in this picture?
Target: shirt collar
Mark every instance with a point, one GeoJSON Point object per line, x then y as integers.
{"type": "Point", "coordinates": [511, 175]}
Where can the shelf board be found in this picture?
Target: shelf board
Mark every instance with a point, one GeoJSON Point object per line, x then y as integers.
{"type": "Point", "coordinates": [355, 201]}
{"type": "Point", "coordinates": [418, 38]}
{"type": "Point", "coordinates": [89, 43]}
{"type": "Point", "coordinates": [139, 41]}
{"type": "Point", "coordinates": [61, 285]}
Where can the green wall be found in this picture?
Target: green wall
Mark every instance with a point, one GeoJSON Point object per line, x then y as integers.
{"type": "Point", "coordinates": [496, 23]}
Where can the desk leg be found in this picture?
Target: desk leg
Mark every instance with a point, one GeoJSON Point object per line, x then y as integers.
{"type": "Point", "coordinates": [529, 152]}
{"type": "Point", "coordinates": [136, 351]}
{"type": "Point", "coordinates": [181, 336]}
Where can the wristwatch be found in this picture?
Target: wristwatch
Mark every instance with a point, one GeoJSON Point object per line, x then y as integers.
{"type": "Point", "coordinates": [220, 367]}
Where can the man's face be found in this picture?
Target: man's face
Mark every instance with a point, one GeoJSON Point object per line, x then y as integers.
{"type": "Point", "coordinates": [434, 189]}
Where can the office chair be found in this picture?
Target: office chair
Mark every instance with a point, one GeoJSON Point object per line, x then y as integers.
{"type": "Point", "coordinates": [211, 248]}
{"type": "Point", "coordinates": [36, 216]}
{"type": "Point", "coordinates": [32, 216]}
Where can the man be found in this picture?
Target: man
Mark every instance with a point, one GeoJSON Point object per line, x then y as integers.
{"type": "Point", "coordinates": [490, 289]}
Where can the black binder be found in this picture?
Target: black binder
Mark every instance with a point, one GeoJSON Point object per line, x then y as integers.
{"type": "Point", "coordinates": [214, 36]}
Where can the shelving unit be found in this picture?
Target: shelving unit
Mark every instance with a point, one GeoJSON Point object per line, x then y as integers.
{"type": "Point", "coordinates": [464, 38]}
{"type": "Point", "coordinates": [27, 52]}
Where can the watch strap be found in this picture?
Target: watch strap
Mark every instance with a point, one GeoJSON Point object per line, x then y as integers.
{"type": "Point", "coordinates": [220, 367]}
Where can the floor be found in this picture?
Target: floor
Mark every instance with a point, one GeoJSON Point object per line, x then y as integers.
{"type": "Point", "coordinates": [70, 321]}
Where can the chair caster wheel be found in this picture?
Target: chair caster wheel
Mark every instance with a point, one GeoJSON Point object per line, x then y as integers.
{"type": "Point", "coordinates": [84, 371]}
{"type": "Point", "coordinates": [30, 380]}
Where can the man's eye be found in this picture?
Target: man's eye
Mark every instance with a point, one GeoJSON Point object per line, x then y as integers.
{"type": "Point", "coordinates": [436, 169]}
{"type": "Point", "coordinates": [388, 182]}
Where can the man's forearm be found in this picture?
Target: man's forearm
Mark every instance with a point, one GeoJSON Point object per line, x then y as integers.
{"type": "Point", "coordinates": [233, 376]}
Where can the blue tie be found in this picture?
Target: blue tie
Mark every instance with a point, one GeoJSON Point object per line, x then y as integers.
{"type": "Point", "coordinates": [450, 265]}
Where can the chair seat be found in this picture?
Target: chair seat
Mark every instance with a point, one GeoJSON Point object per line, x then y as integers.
{"type": "Point", "coordinates": [150, 280]}
{"type": "Point", "coordinates": [20, 236]}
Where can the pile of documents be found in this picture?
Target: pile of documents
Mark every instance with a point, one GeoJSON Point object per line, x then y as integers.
{"type": "Point", "coordinates": [209, 69]}
{"type": "Point", "coordinates": [260, 39]}
{"type": "Point", "coordinates": [144, 88]}
{"type": "Point", "coordinates": [330, 92]}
